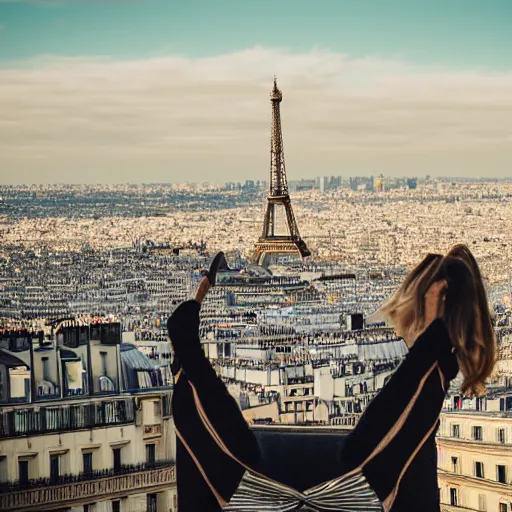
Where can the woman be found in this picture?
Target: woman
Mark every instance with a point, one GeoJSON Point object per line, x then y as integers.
{"type": "Point", "coordinates": [441, 311]}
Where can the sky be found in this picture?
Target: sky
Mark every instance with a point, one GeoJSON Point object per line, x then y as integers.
{"type": "Point", "coordinates": [178, 90]}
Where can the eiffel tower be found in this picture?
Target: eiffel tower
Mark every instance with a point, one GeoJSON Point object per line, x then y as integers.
{"type": "Point", "coordinates": [271, 242]}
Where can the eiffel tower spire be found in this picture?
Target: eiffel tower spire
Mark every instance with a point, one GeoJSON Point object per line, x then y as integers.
{"type": "Point", "coordinates": [270, 241]}
{"type": "Point", "coordinates": [278, 182]}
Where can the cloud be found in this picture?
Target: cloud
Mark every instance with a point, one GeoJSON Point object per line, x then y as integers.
{"type": "Point", "coordinates": [172, 118]}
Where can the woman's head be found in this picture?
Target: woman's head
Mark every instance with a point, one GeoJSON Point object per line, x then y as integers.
{"type": "Point", "coordinates": [464, 308]}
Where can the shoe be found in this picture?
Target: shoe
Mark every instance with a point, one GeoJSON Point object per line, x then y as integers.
{"type": "Point", "coordinates": [219, 263]}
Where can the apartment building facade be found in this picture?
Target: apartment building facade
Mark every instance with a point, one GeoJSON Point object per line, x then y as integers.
{"type": "Point", "coordinates": [475, 457]}
{"type": "Point", "coordinates": [85, 424]}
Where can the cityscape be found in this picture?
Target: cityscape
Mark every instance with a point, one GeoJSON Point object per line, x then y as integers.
{"type": "Point", "coordinates": [92, 265]}
{"type": "Point", "coordinates": [90, 275]}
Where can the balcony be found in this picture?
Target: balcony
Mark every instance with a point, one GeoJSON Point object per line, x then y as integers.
{"type": "Point", "coordinates": [346, 420]}
{"type": "Point", "coordinates": [64, 418]}
{"type": "Point", "coordinates": [455, 508]}
{"type": "Point", "coordinates": [83, 488]}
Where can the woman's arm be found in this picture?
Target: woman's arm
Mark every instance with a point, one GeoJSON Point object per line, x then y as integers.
{"type": "Point", "coordinates": [403, 415]}
{"type": "Point", "coordinates": [400, 392]}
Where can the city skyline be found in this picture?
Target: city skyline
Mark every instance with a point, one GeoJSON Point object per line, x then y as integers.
{"type": "Point", "coordinates": [115, 92]}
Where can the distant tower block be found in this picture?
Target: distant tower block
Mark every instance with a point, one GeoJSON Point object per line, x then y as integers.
{"type": "Point", "coordinates": [380, 184]}
{"type": "Point", "coordinates": [272, 242]}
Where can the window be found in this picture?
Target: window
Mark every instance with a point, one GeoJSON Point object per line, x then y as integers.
{"type": "Point", "coordinates": [54, 468]}
{"type": "Point", "coordinates": [87, 459]}
{"type": "Point", "coordinates": [482, 503]}
{"type": "Point", "coordinates": [455, 431]}
{"type": "Point", "coordinates": [27, 421]}
{"type": "Point", "coordinates": [455, 464]}
{"type": "Point", "coordinates": [45, 364]}
{"type": "Point", "coordinates": [57, 418]}
{"type": "Point", "coordinates": [150, 454]}
{"type": "Point", "coordinates": [3, 465]}
{"type": "Point", "coordinates": [501, 435]}
{"type": "Point", "coordinates": [116, 506]}
{"type": "Point", "coordinates": [23, 471]}
{"type": "Point", "coordinates": [103, 356]}
{"type": "Point", "coordinates": [501, 474]}
{"type": "Point", "coordinates": [117, 459]}
{"type": "Point", "coordinates": [2, 386]}
{"type": "Point", "coordinates": [151, 503]}
{"type": "Point", "coordinates": [80, 416]}
{"type": "Point", "coordinates": [453, 497]}
{"type": "Point", "coordinates": [503, 507]}
{"type": "Point", "coordinates": [479, 469]}
{"type": "Point", "coordinates": [477, 433]}
{"type": "Point", "coordinates": [115, 411]}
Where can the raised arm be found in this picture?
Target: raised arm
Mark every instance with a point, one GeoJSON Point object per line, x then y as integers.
{"type": "Point", "coordinates": [404, 414]}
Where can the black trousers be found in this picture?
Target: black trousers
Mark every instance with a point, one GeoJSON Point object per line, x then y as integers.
{"type": "Point", "coordinates": [221, 471]}
{"type": "Point", "coordinates": [406, 468]}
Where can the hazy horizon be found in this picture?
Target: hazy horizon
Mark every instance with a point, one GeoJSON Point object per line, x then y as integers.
{"type": "Point", "coordinates": [484, 179]}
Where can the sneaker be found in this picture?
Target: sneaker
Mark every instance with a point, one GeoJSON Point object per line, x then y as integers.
{"type": "Point", "coordinates": [219, 263]}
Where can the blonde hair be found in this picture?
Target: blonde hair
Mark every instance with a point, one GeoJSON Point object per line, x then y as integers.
{"type": "Point", "coordinates": [466, 312]}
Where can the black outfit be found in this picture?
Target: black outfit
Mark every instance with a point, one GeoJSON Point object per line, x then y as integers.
{"type": "Point", "coordinates": [389, 458]}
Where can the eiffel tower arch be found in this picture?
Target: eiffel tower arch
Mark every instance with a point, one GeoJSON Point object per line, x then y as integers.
{"type": "Point", "coordinates": [271, 242]}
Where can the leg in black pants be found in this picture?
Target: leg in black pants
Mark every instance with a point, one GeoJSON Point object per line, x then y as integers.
{"type": "Point", "coordinates": [207, 476]}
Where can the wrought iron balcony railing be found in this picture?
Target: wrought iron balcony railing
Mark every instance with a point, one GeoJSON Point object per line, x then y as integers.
{"type": "Point", "coordinates": [456, 508]}
{"type": "Point", "coordinates": [49, 494]}
{"type": "Point", "coordinates": [82, 477]}
{"type": "Point", "coordinates": [34, 420]}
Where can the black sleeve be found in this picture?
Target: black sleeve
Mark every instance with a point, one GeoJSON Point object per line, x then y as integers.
{"type": "Point", "coordinates": [384, 410]}
{"type": "Point", "coordinates": [386, 470]}
{"type": "Point", "coordinates": [420, 479]}
{"type": "Point", "coordinates": [402, 417]}
{"type": "Point", "coordinates": [220, 407]}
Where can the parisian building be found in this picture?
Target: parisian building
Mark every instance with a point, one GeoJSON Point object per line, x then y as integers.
{"type": "Point", "coordinates": [85, 423]}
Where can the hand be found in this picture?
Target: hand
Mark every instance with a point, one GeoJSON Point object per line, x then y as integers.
{"type": "Point", "coordinates": [433, 300]}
